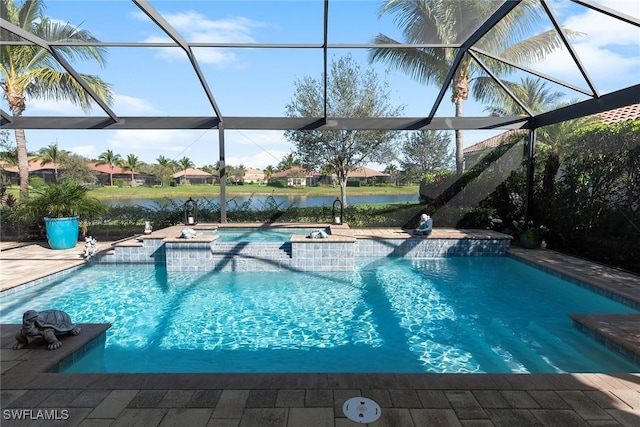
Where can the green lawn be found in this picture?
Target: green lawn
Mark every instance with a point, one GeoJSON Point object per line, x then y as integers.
{"type": "Point", "coordinates": [184, 191]}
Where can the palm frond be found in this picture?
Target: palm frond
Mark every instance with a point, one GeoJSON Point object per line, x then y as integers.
{"type": "Point", "coordinates": [50, 84]}
{"type": "Point", "coordinates": [536, 48]}
{"type": "Point", "coordinates": [424, 65]}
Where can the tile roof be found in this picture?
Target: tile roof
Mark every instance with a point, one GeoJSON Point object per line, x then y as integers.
{"type": "Point", "coordinates": [296, 170]}
{"type": "Point", "coordinates": [630, 112]}
{"type": "Point", "coordinates": [365, 172]}
{"type": "Point", "coordinates": [34, 165]}
{"type": "Point", "coordinates": [190, 172]}
{"type": "Point", "coordinates": [104, 168]}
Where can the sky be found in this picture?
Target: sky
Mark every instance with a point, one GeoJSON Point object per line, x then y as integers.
{"type": "Point", "coordinates": [260, 82]}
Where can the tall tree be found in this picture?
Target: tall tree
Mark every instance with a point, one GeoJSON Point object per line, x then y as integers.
{"type": "Point", "coordinates": [52, 154]}
{"type": "Point", "coordinates": [539, 97]}
{"type": "Point", "coordinates": [438, 22]}
{"type": "Point", "coordinates": [77, 170]}
{"type": "Point", "coordinates": [425, 151]}
{"type": "Point", "coordinates": [392, 171]}
{"type": "Point", "coordinates": [131, 164]}
{"type": "Point", "coordinates": [163, 161]}
{"type": "Point", "coordinates": [109, 158]}
{"type": "Point", "coordinates": [185, 163]}
{"type": "Point", "coordinates": [164, 169]}
{"type": "Point", "coordinates": [30, 71]}
{"type": "Point", "coordinates": [535, 93]}
{"type": "Point", "coordinates": [8, 151]}
{"type": "Point", "coordinates": [268, 171]}
{"type": "Point", "coordinates": [288, 161]}
{"type": "Point", "coordinates": [239, 173]}
{"type": "Point", "coordinates": [352, 92]}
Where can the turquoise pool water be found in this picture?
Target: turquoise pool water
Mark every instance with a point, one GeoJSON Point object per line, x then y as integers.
{"type": "Point", "coordinates": [258, 234]}
{"type": "Point", "coordinates": [477, 314]}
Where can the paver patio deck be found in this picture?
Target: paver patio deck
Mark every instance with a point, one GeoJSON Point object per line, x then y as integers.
{"type": "Point", "coordinates": [304, 400]}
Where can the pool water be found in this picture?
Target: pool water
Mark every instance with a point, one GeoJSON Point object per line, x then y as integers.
{"type": "Point", "coordinates": [273, 234]}
{"type": "Point", "coordinates": [476, 314]}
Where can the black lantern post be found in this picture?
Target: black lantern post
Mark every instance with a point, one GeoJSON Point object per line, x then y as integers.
{"type": "Point", "coordinates": [190, 212]}
{"type": "Point", "coordinates": [337, 219]}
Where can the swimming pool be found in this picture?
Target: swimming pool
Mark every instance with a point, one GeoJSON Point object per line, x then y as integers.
{"type": "Point", "coordinates": [268, 234]}
{"type": "Point", "coordinates": [480, 314]}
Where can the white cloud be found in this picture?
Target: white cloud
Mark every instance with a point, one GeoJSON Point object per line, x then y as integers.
{"type": "Point", "coordinates": [196, 27]}
{"type": "Point", "coordinates": [125, 105]}
{"type": "Point", "coordinates": [601, 30]}
{"type": "Point", "coordinates": [53, 108]}
{"type": "Point", "coordinates": [148, 144]}
{"type": "Point", "coordinates": [609, 48]}
{"type": "Point", "coordinates": [88, 151]}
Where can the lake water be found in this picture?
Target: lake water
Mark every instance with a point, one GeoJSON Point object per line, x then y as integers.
{"type": "Point", "coordinates": [260, 201]}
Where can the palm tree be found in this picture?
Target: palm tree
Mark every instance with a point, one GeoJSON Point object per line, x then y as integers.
{"type": "Point", "coordinates": [287, 162]}
{"type": "Point", "coordinates": [131, 164]}
{"type": "Point", "coordinates": [539, 97]}
{"type": "Point", "coordinates": [238, 173]}
{"type": "Point", "coordinates": [164, 161]}
{"type": "Point", "coordinates": [164, 169]}
{"type": "Point", "coordinates": [535, 93]}
{"type": "Point", "coordinates": [52, 154]}
{"type": "Point", "coordinates": [30, 71]}
{"type": "Point", "coordinates": [185, 163]}
{"type": "Point", "coordinates": [268, 171]}
{"type": "Point", "coordinates": [111, 159]}
{"type": "Point", "coordinates": [435, 22]}
{"type": "Point", "coordinates": [8, 153]}
{"type": "Point", "coordinates": [392, 170]}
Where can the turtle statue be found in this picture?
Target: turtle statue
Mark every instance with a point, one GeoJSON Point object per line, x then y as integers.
{"type": "Point", "coordinates": [46, 324]}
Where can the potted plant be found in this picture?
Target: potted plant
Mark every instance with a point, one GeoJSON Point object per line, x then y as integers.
{"type": "Point", "coordinates": [63, 206]}
{"type": "Point", "coordinates": [529, 235]}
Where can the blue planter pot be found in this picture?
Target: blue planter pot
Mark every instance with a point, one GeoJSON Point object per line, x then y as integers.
{"type": "Point", "coordinates": [527, 242]}
{"type": "Point", "coordinates": [62, 233]}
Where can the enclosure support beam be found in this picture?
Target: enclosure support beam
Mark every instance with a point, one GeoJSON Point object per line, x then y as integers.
{"type": "Point", "coordinates": [223, 175]}
{"type": "Point", "coordinates": [531, 166]}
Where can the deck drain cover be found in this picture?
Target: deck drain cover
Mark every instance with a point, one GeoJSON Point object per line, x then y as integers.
{"type": "Point", "coordinates": [361, 410]}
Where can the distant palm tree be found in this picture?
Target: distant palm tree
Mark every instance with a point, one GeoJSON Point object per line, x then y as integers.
{"type": "Point", "coordinates": [30, 71]}
{"type": "Point", "coordinates": [111, 159]}
{"type": "Point", "coordinates": [436, 21]}
{"type": "Point", "coordinates": [239, 173]}
{"type": "Point", "coordinates": [185, 163]}
{"type": "Point", "coordinates": [535, 93]}
{"type": "Point", "coordinates": [131, 164]}
{"type": "Point", "coordinates": [392, 170]}
{"type": "Point", "coordinates": [288, 161]}
{"type": "Point", "coordinates": [10, 156]}
{"type": "Point", "coordinates": [164, 169]}
{"type": "Point", "coordinates": [268, 171]}
{"type": "Point", "coordinates": [52, 154]}
{"type": "Point", "coordinates": [163, 161]}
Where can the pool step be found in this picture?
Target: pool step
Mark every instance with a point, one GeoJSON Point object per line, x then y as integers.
{"type": "Point", "coordinates": [519, 350]}
{"type": "Point", "coordinates": [258, 250]}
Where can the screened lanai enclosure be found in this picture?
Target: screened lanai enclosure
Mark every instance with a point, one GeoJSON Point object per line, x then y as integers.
{"type": "Point", "coordinates": [509, 83]}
